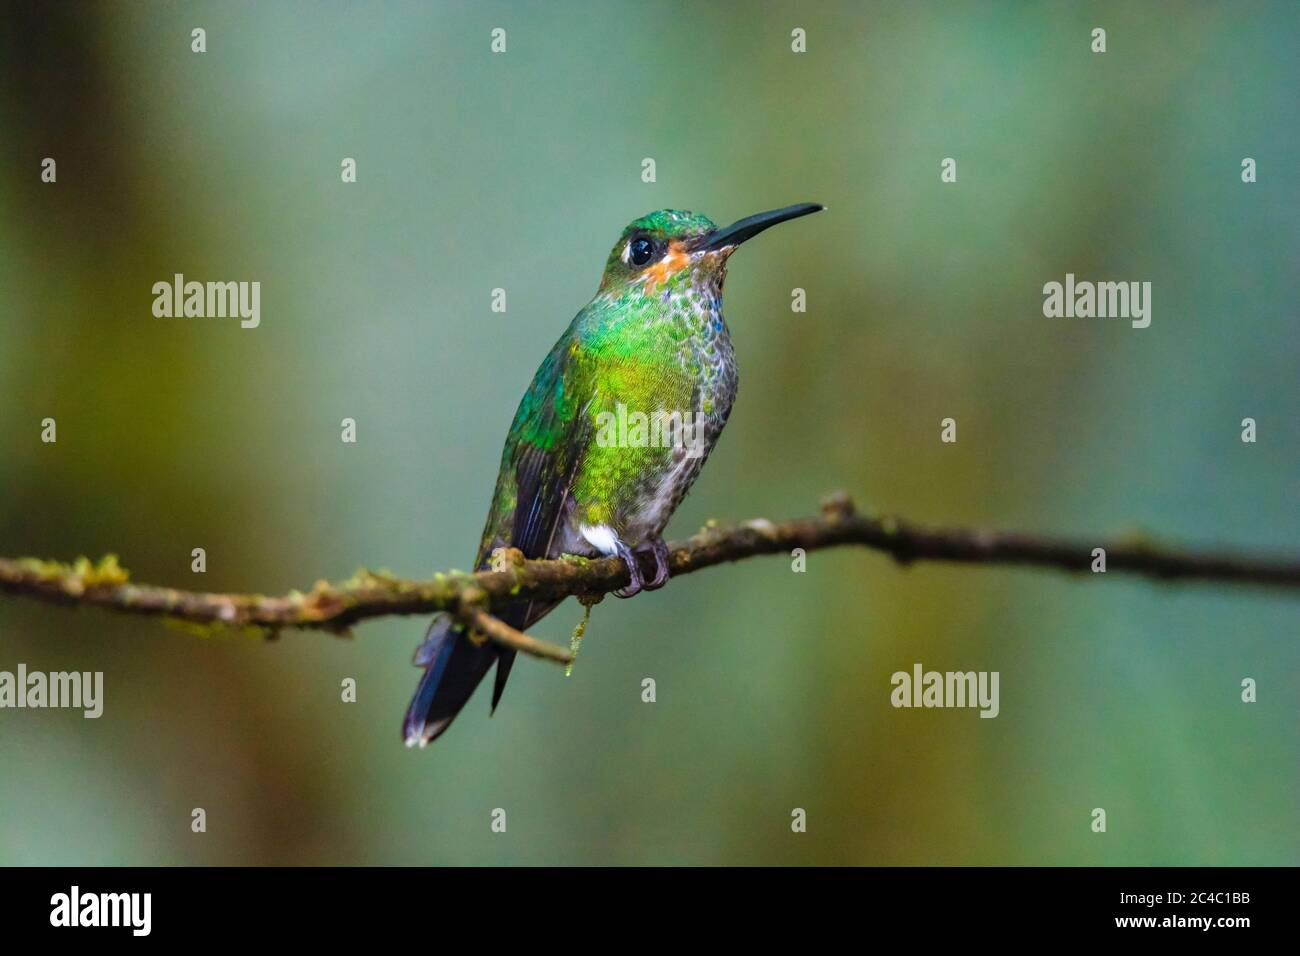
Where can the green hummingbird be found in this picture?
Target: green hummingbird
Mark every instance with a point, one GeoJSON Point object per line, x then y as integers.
{"type": "Point", "coordinates": [609, 437]}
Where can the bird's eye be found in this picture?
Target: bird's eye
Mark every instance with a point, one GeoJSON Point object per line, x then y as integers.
{"type": "Point", "coordinates": [641, 251]}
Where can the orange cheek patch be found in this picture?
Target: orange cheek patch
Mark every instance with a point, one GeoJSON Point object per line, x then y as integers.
{"type": "Point", "coordinates": [673, 262]}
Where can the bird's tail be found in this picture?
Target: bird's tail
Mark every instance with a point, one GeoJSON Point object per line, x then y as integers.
{"type": "Point", "coordinates": [453, 666]}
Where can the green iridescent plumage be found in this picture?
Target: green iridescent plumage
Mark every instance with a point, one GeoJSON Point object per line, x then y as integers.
{"type": "Point", "coordinates": [631, 346]}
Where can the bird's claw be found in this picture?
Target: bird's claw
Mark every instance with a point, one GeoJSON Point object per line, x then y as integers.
{"type": "Point", "coordinates": [660, 550]}
{"type": "Point", "coordinates": [638, 583]}
{"type": "Point", "coordinates": [635, 586]}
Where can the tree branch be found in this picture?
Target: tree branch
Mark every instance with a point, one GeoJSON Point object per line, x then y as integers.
{"type": "Point", "coordinates": [335, 607]}
{"type": "Point", "coordinates": [501, 632]}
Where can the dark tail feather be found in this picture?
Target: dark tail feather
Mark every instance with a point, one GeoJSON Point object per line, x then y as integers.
{"type": "Point", "coordinates": [453, 666]}
{"type": "Point", "coordinates": [505, 661]}
{"type": "Point", "coordinates": [522, 619]}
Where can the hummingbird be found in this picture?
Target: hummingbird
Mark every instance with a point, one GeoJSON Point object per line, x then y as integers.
{"type": "Point", "coordinates": [575, 478]}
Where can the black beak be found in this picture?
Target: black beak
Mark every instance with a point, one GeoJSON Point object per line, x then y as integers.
{"type": "Point", "coordinates": [747, 228]}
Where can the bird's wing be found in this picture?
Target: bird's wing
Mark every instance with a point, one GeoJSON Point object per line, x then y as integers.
{"type": "Point", "coordinates": [547, 442]}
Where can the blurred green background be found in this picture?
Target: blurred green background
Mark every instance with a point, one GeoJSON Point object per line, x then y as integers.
{"type": "Point", "coordinates": [519, 170]}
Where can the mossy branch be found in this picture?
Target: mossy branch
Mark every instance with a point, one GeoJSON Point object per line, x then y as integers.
{"type": "Point", "coordinates": [336, 607]}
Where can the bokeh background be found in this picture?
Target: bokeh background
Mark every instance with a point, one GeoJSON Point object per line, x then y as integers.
{"type": "Point", "coordinates": [519, 170]}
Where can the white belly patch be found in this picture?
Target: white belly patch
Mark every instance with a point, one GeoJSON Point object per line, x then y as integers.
{"type": "Point", "coordinates": [601, 537]}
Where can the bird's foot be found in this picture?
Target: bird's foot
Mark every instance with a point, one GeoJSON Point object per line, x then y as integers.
{"type": "Point", "coordinates": [637, 583]}
{"type": "Point", "coordinates": [659, 548]}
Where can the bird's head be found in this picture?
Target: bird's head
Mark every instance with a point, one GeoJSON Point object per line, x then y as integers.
{"type": "Point", "coordinates": [668, 247]}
